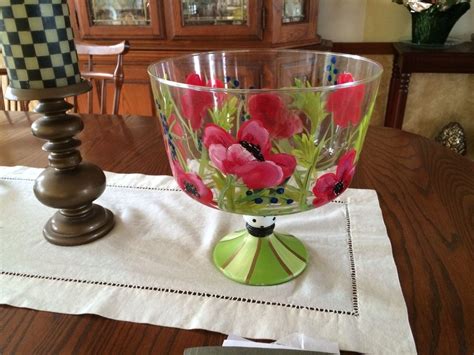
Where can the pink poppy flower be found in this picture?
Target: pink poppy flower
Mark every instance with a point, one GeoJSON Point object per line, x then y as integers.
{"type": "Point", "coordinates": [329, 186]}
{"type": "Point", "coordinates": [346, 103]}
{"type": "Point", "coordinates": [192, 184]}
{"type": "Point", "coordinates": [275, 117]}
{"type": "Point", "coordinates": [196, 103]}
{"type": "Point", "coordinates": [249, 156]}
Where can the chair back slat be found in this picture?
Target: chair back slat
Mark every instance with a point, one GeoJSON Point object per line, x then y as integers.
{"type": "Point", "coordinates": [96, 49]}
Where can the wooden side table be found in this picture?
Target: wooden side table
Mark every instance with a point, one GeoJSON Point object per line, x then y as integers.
{"type": "Point", "coordinates": [409, 59]}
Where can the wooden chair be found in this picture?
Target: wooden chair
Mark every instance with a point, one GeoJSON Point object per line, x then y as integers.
{"type": "Point", "coordinates": [2, 100]}
{"type": "Point", "coordinates": [100, 79]}
{"type": "Point", "coordinates": [11, 105]}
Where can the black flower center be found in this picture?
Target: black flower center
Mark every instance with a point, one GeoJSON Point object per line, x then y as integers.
{"type": "Point", "coordinates": [338, 188]}
{"type": "Point", "coordinates": [253, 149]}
{"type": "Point", "coordinates": [191, 189]}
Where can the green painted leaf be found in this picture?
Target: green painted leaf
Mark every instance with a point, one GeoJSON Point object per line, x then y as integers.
{"type": "Point", "coordinates": [310, 103]}
{"type": "Point", "coordinates": [304, 150]}
{"type": "Point", "coordinates": [224, 117]}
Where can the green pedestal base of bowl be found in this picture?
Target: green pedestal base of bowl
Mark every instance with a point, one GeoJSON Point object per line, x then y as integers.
{"type": "Point", "coordinates": [260, 261]}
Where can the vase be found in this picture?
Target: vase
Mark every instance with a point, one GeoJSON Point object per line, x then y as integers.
{"type": "Point", "coordinates": [264, 133]}
{"type": "Point", "coordinates": [432, 26]}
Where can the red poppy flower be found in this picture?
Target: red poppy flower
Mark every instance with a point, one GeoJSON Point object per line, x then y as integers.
{"type": "Point", "coordinates": [346, 103]}
{"type": "Point", "coordinates": [275, 117]}
{"type": "Point", "coordinates": [249, 156]}
{"type": "Point", "coordinates": [196, 103]}
{"type": "Point", "coordinates": [329, 186]}
{"type": "Point", "coordinates": [192, 184]}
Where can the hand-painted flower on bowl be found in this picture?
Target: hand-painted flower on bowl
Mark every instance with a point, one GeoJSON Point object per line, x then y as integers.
{"type": "Point", "coordinates": [264, 133]}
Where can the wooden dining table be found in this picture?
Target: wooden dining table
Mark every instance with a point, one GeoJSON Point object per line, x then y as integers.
{"type": "Point", "coordinates": [426, 194]}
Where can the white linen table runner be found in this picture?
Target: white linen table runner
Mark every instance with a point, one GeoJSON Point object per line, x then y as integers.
{"type": "Point", "coordinates": [156, 266]}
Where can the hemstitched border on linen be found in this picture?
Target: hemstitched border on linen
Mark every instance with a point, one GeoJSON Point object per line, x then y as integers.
{"type": "Point", "coordinates": [355, 301]}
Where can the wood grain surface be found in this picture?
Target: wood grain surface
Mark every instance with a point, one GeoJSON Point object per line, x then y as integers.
{"type": "Point", "coordinates": [427, 198]}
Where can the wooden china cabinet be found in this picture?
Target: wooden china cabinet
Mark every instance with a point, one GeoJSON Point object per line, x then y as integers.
{"type": "Point", "coordinates": [158, 29]}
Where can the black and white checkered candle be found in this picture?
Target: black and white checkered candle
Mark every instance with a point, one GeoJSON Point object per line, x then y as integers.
{"type": "Point", "coordinates": [37, 44]}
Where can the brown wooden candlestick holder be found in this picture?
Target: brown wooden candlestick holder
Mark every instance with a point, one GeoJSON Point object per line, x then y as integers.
{"type": "Point", "coordinates": [67, 183]}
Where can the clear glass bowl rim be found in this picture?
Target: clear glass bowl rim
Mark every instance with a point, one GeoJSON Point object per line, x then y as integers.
{"type": "Point", "coordinates": [373, 77]}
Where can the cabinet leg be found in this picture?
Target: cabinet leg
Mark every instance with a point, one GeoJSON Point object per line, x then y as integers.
{"type": "Point", "coordinates": [397, 98]}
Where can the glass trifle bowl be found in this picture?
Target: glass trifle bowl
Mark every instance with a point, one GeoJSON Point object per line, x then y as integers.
{"type": "Point", "coordinates": [264, 133]}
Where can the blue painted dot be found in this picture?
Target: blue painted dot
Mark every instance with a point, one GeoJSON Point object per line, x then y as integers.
{"type": "Point", "coordinates": [289, 201]}
{"type": "Point", "coordinates": [227, 79]}
{"type": "Point", "coordinates": [333, 60]}
{"type": "Point", "coordinates": [236, 83]}
{"type": "Point", "coordinates": [335, 71]}
{"type": "Point", "coordinates": [280, 190]}
{"type": "Point", "coordinates": [244, 117]}
{"type": "Point", "coordinates": [248, 192]}
{"type": "Point", "coordinates": [328, 68]}
{"type": "Point", "coordinates": [273, 200]}
{"type": "Point", "coordinates": [258, 200]}
{"type": "Point", "coordinates": [329, 78]}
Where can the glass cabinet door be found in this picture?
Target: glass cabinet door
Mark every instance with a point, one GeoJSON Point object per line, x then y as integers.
{"type": "Point", "coordinates": [122, 19]}
{"type": "Point", "coordinates": [214, 12]}
{"type": "Point", "coordinates": [119, 12]}
{"type": "Point", "coordinates": [293, 11]}
{"type": "Point", "coordinates": [293, 20]}
{"type": "Point", "coordinates": [238, 19]}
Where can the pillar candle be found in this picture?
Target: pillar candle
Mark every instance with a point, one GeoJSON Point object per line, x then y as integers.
{"type": "Point", "coordinates": [37, 44]}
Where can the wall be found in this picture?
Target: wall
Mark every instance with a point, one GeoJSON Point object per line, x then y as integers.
{"type": "Point", "coordinates": [434, 99]}
{"type": "Point", "coordinates": [342, 20]}
{"type": "Point", "coordinates": [375, 21]}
